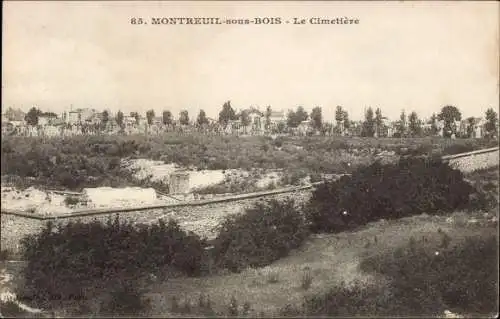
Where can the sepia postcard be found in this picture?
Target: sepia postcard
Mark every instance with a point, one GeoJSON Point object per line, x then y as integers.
{"type": "Point", "coordinates": [250, 159]}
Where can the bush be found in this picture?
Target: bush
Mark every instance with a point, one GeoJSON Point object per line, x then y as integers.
{"type": "Point", "coordinates": [341, 301]}
{"type": "Point", "coordinates": [71, 200]}
{"type": "Point", "coordinates": [125, 300]}
{"type": "Point", "coordinates": [293, 178]}
{"type": "Point", "coordinates": [5, 254]}
{"type": "Point", "coordinates": [410, 187]}
{"type": "Point", "coordinates": [63, 261]}
{"type": "Point", "coordinates": [462, 279]}
{"type": "Point", "coordinates": [264, 233]}
{"type": "Point", "coordinates": [458, 148]}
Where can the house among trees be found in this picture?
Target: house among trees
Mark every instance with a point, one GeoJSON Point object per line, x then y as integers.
{"type": "Point", "coordinates": [94, 119]}
{"type": "Point", "coordinates": [355, 129]}
{"type": "Point", "coordinates": [129, 120]}
{"type": "Point", "coordinates": [12, 114]}
{"type": "Point", "coordinates": [83, 115]}
{"type": "Point", "coordinates": [47, 119]}
{"type": "Point", "coordinates": [73, 117]}
{"type": "Point", "coordinates": [252, 120]}
{"type": "Point", "coordinates": [304, 128]}
{"type": "Point", "coordinates": [276, 118]}
{"type": "Point", "coordinates": [473, 127]}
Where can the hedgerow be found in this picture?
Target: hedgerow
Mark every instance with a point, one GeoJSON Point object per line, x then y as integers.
{"type": "Point", "coordinates": [66, 262]}
{"type": "Point", "coordinates": [387, 191]}
{"type": "Point", "coordinates": [264, 233]}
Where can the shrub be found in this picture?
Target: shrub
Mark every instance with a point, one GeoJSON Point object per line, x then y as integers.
{"type": "Point", "coordinates": [342, 301]}
{"type": "Point", "coordinates": [232, 308]}
{"type": "Point", "coordinates": [64, 260]}
{"type": "Point", "coordinates": [246, 308]}
{"type": "Point", "coordinates": [71, 200]}
{"type": "Point", "coordinates": [458, 148]}
{"type": "Point", "coordinates": [412, 186]}
{"type": "Point", "coordinates": [5, 254]}
{"type": "Point", "coordinates": [293, 178]}
{"type": "Point", "coordinates": [264, 233]}
{"type": "Point", "coordinates": [10, 309]}
{"type": "Point", "coordinates": [463, 279]}
{"type": "Point", "coordinates": [125, 300]}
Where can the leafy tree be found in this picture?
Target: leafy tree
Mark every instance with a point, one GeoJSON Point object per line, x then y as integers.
{"type": "Point", "coordinates": [491, 123]}
{"type": "Point", "coordinates": [325, 128]}
{"type": "Point", "coordinates": [49, 114]}
{"type": "Point", "coordinates": [368, 129]}
{"type": "Point", "coordinates": [150, 115]}
{"type": "Point", "coordinates": [449, 114]}
{"type": "Point", "coordinates": [347, 122]}
{"type": "Point", "coordinates": [339, 115]}
{"type": "Point", "coordinates": [32, 116]}
{"type": "Point", "coordinates": [414, 124]}
{"type": "Point", "coordinates": [317, 118]}
{"type": "Point", "coordinates": [184, 118]}
{"type": "Point", "coordinates": [379, 121]}
{"type": "Point", "coordinates": [136, 116]}
{"type": "Point", "coordinates": [245, 118]}
{"type": "Point", "coordinates": [268, 116]}
{"type": "Point", "coordinates": [105, 117]}
{"type": "Point", "coordinates": [14, 114]}
{"type": "Point", "coordinates": [227, 114]}
{"type": "Point", "coordinates": [281, 127]}
{"type": "Point", "coordinates": [295, 118]}
{"type": "Point", "coordinates": [202, 118]}
{"type": "Point", "coordinates": [470, 126]}
{"type": "Point", "coordinates": [119, 118]}
{"type": "Point", "coordinates": [401, 128]}
{"type": "Point", "coordinates": [433, 122]}
{"type": "Point", "coordinates": [167, 118]}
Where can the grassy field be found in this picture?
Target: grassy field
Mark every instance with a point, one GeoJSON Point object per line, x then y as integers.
{"type": "Point", "coordinates": [329, 260]}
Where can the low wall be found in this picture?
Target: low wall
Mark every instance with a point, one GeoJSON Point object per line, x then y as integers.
{"type": "Point", "coordinates": [200, 217]}
{"type": "Point", "coordinates": [474, 160]}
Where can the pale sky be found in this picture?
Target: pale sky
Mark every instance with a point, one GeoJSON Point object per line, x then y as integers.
{"type": "Point", "coordinates": [414, 55]}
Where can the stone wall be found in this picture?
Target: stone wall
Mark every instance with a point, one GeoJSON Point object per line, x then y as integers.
{"type": "Point", "coordinates": [475, 161]}
{"type": "Point", "coordinates": [201, 219]}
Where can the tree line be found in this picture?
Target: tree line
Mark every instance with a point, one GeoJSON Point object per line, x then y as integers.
{"type": "Point", "coordinates": [373, 125]}
{"type": "Point", "coordinates": [412, 126]}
